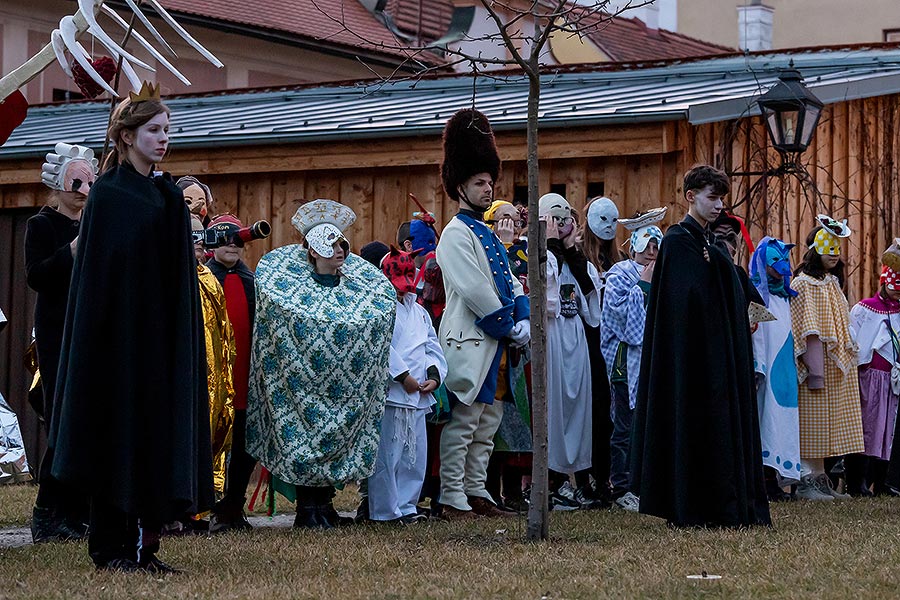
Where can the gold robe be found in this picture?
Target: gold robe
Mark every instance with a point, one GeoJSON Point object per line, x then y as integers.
{"type": "Point", "coordinates": [220, 354]}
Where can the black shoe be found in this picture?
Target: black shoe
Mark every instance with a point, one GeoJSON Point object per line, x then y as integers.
{"type": "Point", "coordinates": [46, 527]}
{"type": "Point", "coordinates": [122, 565]}
{"type": "Point", "coordinates": [886, 490]}
{"type": "Point", "coordinates": [413, 519]}
{"type": "Point", "coordinates": [859, 491]}
{"type": "Point", "coordinates": [227, 517]}
{"type": "Point", "coordinates": [775, 493]}
{"type": "Point", "coordinates": [329, 514]}
{"type": "Point", "coordinates": [157, 567]}
{"type": "Point", "coordinates": [588, 500]}
{"type": "Point", "coordinates": [308, 517]}
{"type": "Point", "coordinates": [516, 504]}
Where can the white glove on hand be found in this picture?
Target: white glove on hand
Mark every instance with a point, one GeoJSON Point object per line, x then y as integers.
{"type": "Point", "coordinates": [521, 333]}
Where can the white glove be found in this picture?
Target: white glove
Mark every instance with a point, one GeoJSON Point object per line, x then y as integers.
{"type": "Point", "coordinates": [520, 333]}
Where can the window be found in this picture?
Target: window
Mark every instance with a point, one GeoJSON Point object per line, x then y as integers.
{"type": "Point", "coordinates": [595, 188]}
{"type": "Point", "coordinates": [520, 195]}
{"type": "Point", "coordinates": [66, 95]}
{"type": "Point", "coordinates": [892, 35]}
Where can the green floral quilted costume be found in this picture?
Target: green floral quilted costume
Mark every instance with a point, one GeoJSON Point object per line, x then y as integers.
{"type": "Point", "coordinates": [319, 369]}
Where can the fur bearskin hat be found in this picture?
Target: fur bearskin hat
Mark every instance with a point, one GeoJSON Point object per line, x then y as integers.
{"type": "Point", "coordinates": [469, 149]}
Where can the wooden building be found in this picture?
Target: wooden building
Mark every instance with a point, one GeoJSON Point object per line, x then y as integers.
{"type": "Point", "coordinates": [628, 134]}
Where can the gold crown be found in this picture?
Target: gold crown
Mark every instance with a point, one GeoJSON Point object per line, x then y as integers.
{"type": "Point", "coordinates": [147, 92]}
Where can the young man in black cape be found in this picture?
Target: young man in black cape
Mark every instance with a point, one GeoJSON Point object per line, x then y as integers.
{"type": "Point", "coordinates": [696, 456]}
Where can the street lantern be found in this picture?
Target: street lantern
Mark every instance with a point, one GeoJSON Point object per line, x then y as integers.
{"type": "Point", "coordinates": [791, 112]}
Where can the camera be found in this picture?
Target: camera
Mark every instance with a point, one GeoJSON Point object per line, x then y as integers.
{"type": "Point", "coordinates": [226, 233]}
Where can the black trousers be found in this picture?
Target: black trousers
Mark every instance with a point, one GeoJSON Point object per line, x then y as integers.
{"type": "Point", "coordinates": [65, 501]}
{"type": "Point", "coordinates": [116, 535]}
{"type": "Point", "coordinates": [241, 465]}
{"type": "Point", "coordinates": [602, 425]}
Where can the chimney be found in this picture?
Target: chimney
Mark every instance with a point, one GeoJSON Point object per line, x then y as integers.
{"type": "Point", "coordinates": [648, 14]}
{"type": "Point", "coordinates": [755, 26]}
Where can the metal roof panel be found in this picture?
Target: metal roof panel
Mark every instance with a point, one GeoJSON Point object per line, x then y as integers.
{"type": "Point", "coordinates": [701, 91]}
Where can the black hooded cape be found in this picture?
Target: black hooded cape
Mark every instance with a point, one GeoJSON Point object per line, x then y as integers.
{"type": "Point", "coordinates": [133, 424]}
{"type": "Point", "coordinates": [696, 458]}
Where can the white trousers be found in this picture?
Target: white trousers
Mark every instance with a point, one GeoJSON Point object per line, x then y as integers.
{"type": "Point", "coordinates": [395, 485]}
{"type": "Point", "coordinates": [466, 445]}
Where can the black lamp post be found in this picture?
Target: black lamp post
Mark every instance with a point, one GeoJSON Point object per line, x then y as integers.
{"type": "Point", "coordinates": [791, 113]}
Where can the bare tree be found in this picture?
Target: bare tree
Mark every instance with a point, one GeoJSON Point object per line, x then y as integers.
{"type": "Point", "coordinates": [522, 30]}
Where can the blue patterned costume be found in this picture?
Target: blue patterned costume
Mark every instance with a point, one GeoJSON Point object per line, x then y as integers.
{"type": "Point", "coordinates": [319, 369]}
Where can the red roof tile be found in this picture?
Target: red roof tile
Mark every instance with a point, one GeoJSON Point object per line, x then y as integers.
{"type": "Point", "coordinates": [622, 39]}
{"type": "Point", "coordinates": [435, 16]}
{"type": "Point", "coordinates": [347, 24]}
{"type": "Point", "coordinates": [342, 23]}
{"type": "Point", "coordinates": [630, 40]}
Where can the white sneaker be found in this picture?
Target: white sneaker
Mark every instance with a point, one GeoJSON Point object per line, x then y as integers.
{"type": "Point", "coordinates": [823, 483]}
{"type": "Point", "coordinates": [629, 502]}
{"type": "Point", "coordinates": [808, 489]}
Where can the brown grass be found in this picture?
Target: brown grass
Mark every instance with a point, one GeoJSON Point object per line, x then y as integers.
{"type": "Point", "coordinates": [845, 550]}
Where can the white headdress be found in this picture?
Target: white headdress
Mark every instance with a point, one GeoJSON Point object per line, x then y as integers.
{"type": "Point", "coordinates": [53, 171]}
{"type": "Point", "coordinates": [322, 222]}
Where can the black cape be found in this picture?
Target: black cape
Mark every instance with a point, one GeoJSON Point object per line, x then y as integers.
{"type": "Point", "coordinates": [48, 270]}
{"type": "Point", "coordinates": [133, 424]}
{"type": "Point", "coordinates": [696, 458]}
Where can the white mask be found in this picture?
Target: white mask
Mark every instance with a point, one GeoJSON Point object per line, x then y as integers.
{"type": "Point", "coordinates": [602, 218]}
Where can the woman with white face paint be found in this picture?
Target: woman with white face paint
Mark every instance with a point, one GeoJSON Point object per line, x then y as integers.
{"type": "Point", "coordinates": [133, 426]}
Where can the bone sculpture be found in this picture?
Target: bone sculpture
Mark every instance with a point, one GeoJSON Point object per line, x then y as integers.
{"type": "Point", "coordinates": [72, 27]}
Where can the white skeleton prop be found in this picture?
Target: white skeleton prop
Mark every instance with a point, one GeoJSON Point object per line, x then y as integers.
{"type": "Point", "coordinates": [72, 27]}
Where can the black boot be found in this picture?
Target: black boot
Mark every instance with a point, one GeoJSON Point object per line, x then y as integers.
{"type": "Point", "coordinates": [855, 467]}
{"type": "Point", "coordinates": [878, 476]}
{"type": "Point", "coordinates": [331, 516]}
{"type": "Point", "coordinates": [307, 518]}
{"type": "Point", "coordinates": [228, 515]}
{"type": "Point", "coordinates": [48, 526]}
{"type": "Point", "coordinates": [774, 492]}
{"type": "Point", "coordinates": [152, 564]}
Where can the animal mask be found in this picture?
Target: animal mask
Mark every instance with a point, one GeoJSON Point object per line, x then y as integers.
{"type": "Point", "coordinates": [400, 268]}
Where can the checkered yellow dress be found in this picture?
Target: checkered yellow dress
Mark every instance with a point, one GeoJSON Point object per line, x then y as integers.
{"type": "Point", "coordinates": [830, 419]}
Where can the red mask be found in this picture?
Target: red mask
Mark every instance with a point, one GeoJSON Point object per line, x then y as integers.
{"type": "Point", "coordinates": [400, 268]}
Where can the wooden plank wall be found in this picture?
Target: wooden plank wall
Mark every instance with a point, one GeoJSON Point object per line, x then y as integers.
{"type": "Point", "coordinates": [17, 301]}
{"type": "Point", "coordinates": [851, 162]}
{"type": "Point", "coordinates": [640, 166]}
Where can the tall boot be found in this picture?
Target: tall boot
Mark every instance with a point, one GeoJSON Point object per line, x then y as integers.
{"type": "Point", "coordinates": [878, 476]}
{"type": "Point", "coordinates": [855, 467]}
{"type": "Point", "coordinates": [309, 511]}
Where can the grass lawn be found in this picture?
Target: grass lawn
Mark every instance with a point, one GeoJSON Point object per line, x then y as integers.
{"type": "Point", "coordinates": [845, 550]}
